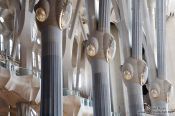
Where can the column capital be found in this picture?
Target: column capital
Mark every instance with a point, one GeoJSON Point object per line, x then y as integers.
{"type": "Point", "coordinates": [134, 71]}
{"type": "Point", "coordinates": [53, 12]}
{"type": "Point", "coordinates": [160, 90]}
{"type": "Point", "coordinates": [101, 46]}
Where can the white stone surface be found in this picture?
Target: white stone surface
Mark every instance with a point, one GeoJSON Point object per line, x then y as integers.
{"type": "Point", "coordinates": [170, 58]}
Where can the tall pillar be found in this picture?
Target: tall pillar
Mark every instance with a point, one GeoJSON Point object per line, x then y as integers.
{"type": "Point", "coordinates": [49, 21]}
{"type": "Point", "coordinates": [51, 74]}
{"type": "Point", "coordinates": [99, 53]}
{"type": "Point", "coordinates": [135, 69]}
{"type": "Point", "coordinates": [160, 88]}
{"type": "Point", "coordinates": [161, 35]}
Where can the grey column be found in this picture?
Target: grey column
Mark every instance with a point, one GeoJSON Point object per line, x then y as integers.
{"type": "Point", "coordinates": [51, 59]}
{"type": "Point", "coordinates": [136, 29]}
{"type": "Point", "coordinates": [101, 88]}
{"type": "Point", "coordinates": [100, 67]}
{"type": "Point", "coordinates": [135, 99]}
{"type": "Point", "coordinates": [161, 35]}
{"type": "Point", "coordinates": [160, 107]}
{"type": "Point", "coordinates": [104, 15]}
{"type": "Point", "coordinates": [135, 95]}
{"type": "Point", "coordinates": [51, 82]}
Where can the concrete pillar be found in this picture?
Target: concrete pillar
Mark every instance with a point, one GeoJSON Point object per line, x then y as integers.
{"type": "Point", "coordinates": [135, 69]}
{"type": "Point", "coordinates": [97, 50]}
{"type": "Point", "coordinates": [49, 17]}
{"type": "Point", "coordinates": [160, 88]}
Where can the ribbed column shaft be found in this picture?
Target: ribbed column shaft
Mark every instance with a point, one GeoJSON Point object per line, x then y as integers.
{"type": "Point", "coordinates": [23, 109]}
{"type": "Point", "coordinates": [51, 75]}
{"type": "Point", "coordinates": [100, 68]}
{"type": "Point", "coordinates": [136, 29]}
{"type": "Point", "coordinates": [135, 95]}
{"type": "Point", "coordinates": [161, 34]}
{"type": "Point", "coordinates": [101, 88]}
{"type": "Point", "coordinates": [104, 15]}
{"type": "Point", "coordinates": [160, 107]}
{"type": "Point", "coordinates": [135, 99]}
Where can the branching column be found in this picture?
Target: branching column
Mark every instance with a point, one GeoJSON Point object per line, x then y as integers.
{"type": "Point", "coordinates": [49, 20]}
{"type": "Point", "coordinates": [160, 88]}
{"type": "Point", "coordinates": [100, 51]}
{"type": "Point", "coordinates": [135, 69]}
